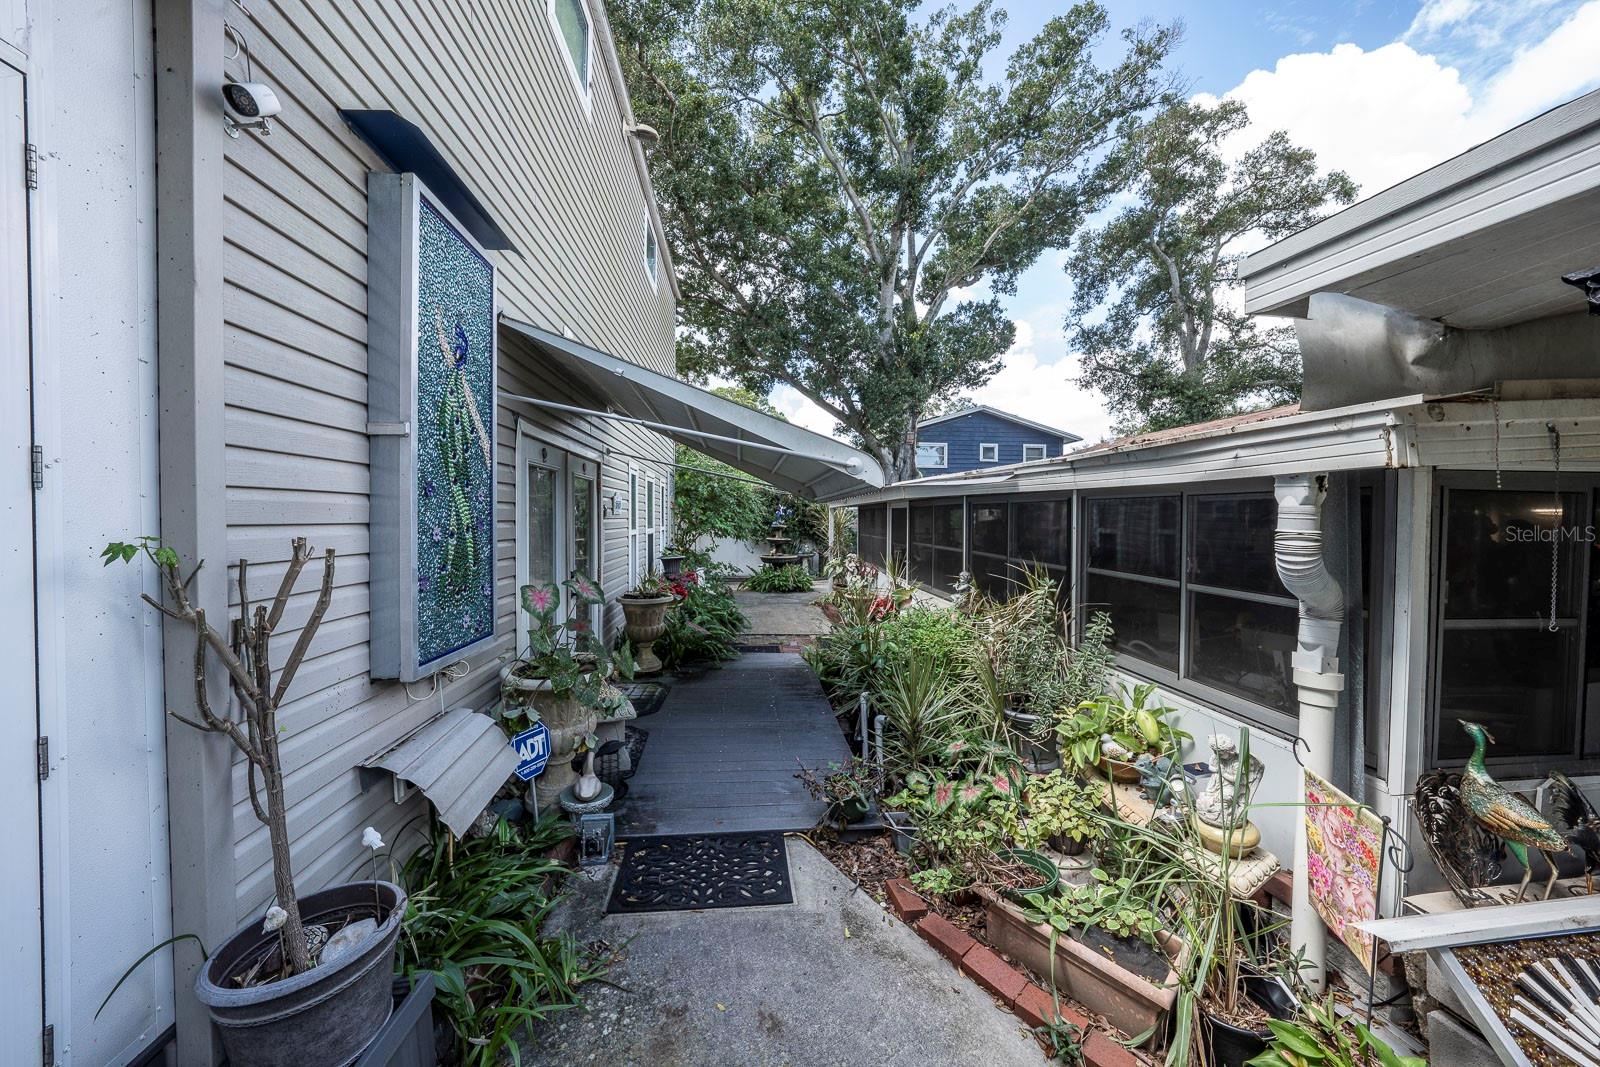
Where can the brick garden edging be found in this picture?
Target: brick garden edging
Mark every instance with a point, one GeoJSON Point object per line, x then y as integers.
{"type": "Point", "coordinates": [1031, 1003]}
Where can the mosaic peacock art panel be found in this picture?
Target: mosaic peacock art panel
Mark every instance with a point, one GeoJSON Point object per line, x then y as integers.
{"type": "Point", "coordinates": [455, 440]}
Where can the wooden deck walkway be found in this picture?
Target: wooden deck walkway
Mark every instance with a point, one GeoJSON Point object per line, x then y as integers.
{"type": "Point", "coordinates": [724, 749]}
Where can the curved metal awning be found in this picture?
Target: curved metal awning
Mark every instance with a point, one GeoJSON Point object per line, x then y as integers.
{"type": "Point", "coordinates": [790, 457]}
{"type": "Point", "coordinates": [459, 760]}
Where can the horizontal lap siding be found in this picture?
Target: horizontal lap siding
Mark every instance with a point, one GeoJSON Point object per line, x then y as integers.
{"type": "Point", "coordinates": [488, 84]}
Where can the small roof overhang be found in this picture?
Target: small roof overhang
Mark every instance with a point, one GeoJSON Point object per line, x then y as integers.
{"type": "Point", "coordinates": [403, 145]}
{"type": "Point", "coordinates": [1477, 242]}
{"type": "Point", "coordinates": [789, 457]}
{"type": "Point", "coordinates": [459, 760]}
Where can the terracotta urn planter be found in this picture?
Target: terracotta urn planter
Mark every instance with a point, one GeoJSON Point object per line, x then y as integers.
{"type": "Point", "coordinates": [1130, 1002]}
{"type": "Point", "coordinates": [645, 620]}
{"type": "Point", "coordinates": [567, 719]}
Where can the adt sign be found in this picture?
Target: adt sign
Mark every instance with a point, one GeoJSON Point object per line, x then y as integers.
{"type": "Point", "coordinates": [533, 750]}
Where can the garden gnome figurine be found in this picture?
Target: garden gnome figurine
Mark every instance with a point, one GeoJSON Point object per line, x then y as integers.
{"type": "Point", "coordinates": [1220, 808]}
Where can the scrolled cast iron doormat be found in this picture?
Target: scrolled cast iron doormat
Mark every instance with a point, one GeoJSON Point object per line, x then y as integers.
{"type": "Point", "coordinates": [689, 872]}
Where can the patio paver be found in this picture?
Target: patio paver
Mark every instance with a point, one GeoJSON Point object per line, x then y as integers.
{"type": "Point", "coordinates": [725, 747]}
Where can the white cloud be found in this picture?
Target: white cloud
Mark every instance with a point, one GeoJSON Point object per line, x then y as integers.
{"type": "Point", "coordinates": [801, 411]}
{"type": "Point", "coordinates": [1043, 391]}
{"type": "Point", "coordinates": [1386, 114]}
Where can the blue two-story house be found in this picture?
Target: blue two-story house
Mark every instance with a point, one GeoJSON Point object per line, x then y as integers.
{"type": "Point", "coordinates": [980, 436]}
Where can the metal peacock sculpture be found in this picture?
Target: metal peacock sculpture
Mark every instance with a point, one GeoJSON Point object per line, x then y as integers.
{"type": "Point", "coordinates": [1507, 815]}
{"type": "Point", "coordinates": [1576, 818]}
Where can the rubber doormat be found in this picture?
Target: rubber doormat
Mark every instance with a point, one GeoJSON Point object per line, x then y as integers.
{"type": "Point", "coordinates": [646, 697]}
{"type": "Point", "coordinates": [691, 872]}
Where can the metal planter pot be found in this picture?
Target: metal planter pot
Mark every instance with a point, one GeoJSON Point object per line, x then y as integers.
{"type": "Point", "coordinates": [327, 1015]}
{"type": "Point", "coordinates": [1038, 755]}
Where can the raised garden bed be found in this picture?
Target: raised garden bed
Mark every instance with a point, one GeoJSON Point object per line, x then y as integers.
{"type": "Point", "coordinates": [1134, 995]}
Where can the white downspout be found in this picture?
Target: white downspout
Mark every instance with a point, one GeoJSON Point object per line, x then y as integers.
{"type": "Point", "coordinates": [1298, 544]}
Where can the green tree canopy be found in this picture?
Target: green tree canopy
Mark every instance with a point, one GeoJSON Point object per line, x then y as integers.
{"type": "Point", "coordinates": [835, 175]}
{"type": "Point", "coordinates": [1155, 309]}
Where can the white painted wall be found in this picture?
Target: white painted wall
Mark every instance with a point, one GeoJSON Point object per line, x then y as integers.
{"type": "Point", "coordinates": [105, 821]}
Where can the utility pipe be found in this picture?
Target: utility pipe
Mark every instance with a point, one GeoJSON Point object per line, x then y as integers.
{"type": "Point", "coordinates": [1298, 550]}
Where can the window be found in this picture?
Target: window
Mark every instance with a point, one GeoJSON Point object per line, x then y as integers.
{"type": "Point", "coordinates": [932, 455]}
{"type": "Point", "coordinates": [1132, 551]}
{"type": "Point", "coordinates": [1242, 621]}
{"type": "Point", "coordinates": [571, 20]}
{"type": "Point", "coordinates": [898, 531]}
{"type": "Point", "coordinates": [872, 521]}
{"type": "Point", "coordinates": [1006, 537]}
{"type": "Point", "coordinates": [989, 452]}
{"type": "Point", "coordinates": [1032, 452]}
{"type": "Point", "coordinates": [1499, 658]}
{"type": "Point", "coordinates": [650, 266]}
{"type": "Point", "coordinates": [936, 544]}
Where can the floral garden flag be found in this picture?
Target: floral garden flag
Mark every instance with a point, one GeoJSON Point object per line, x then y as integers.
{"type": "Point", "coordinates": [1343, 851]}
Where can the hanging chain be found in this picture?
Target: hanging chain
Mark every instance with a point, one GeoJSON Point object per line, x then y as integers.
{"type": "Point", "coordinates": [1555, 542]}
{"type": "Point", "coordinates": [1495, 401]}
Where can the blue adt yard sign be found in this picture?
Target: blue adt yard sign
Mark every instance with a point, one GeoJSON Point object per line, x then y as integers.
{"type": "Point", "coordinates": [533, 750]}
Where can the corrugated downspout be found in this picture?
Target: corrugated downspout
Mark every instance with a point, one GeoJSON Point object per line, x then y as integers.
{"type": "Point", "coordinates": [1304, 571]}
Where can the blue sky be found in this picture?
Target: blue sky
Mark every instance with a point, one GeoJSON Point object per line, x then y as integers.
{"type": "Point", "coordinates": [1379, 88]}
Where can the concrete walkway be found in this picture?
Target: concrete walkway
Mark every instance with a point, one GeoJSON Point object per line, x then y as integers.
{"type": "Point", "coordinates": [783, 615]}
{"type": "Point", "coordinates": [724, 749]}
{"type": "Point", "coordinates": [831, 979]}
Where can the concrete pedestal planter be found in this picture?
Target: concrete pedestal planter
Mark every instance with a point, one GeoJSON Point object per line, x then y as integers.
{"type": "Point", "coordinates": [672, 564]}
{"type": "Point", "coordinates": [1130, 1002]}
{"type": "Point", "coordinates": [645, 619]}
{"type": "Point", "coordinates": [567, 719]}
{"type": "Point", "coordinates": [327, 1015]}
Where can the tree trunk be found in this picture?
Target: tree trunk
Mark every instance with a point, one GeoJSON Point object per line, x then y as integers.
{"type": "Point", "coordinates": [294, 935]}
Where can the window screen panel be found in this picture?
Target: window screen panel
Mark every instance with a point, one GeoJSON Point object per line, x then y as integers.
{"type": "Point", "coordinates": [1244, 647]}
{"type": "Point", "coordinates": [1135, 535]}
{"type": "Point", "coordinates": [1231, 543]}
{"type": "Point", "coordinates": [1145, 616]}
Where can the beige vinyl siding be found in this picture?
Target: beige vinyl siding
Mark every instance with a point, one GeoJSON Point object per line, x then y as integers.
{"type": "Point", "coordinates": [488, 83]}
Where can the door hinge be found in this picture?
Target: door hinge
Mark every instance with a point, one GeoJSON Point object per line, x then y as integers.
{"type": "Point", "coordinates": [44, 758]}
{"type": "Point", "coordinates": [50, 1045]}
{"type": "Point", "coordinates": [30, 166]}
{"type": "Point", "coordinates": [38, 466]}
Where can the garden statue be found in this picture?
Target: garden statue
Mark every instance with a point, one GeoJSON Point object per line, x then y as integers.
{"type": "Point", "coordinates": [1221, 808]}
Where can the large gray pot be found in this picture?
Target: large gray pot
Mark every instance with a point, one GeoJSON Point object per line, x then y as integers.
{"type": "Point", "coordinates": [324, 1016]}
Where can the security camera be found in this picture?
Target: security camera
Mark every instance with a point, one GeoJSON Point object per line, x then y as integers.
{"type": "Point", "coordinates": [250, 101]}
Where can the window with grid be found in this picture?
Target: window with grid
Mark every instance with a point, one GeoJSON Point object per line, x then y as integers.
{"type": "Point", "coordinates": [1133, 546]}
{"type": "Point", "coordinates": [936, 544]}
{"type": "Point", "coordinates": [1006, 538]}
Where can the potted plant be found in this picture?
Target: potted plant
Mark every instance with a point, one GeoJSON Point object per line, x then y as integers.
{"type": "Point", "coordinates": [672, 558]}
{"type": "Point", "coordinates": [848, 789]}
{"type": "Point", "coordinates": [1027, 650]}
{"type": "Point", "coordinates": [1056, 810]}
{"type": "Point", "coordinates": [311, 981]}
{"type": "Point", "coordinates": [562, 678]}
{"type": "Point", "coordinates": [644, 613]}
{"type": "Point", "coordinates": [1109, 733]}
{"type": "Point", "coordinates": [1099, 944]}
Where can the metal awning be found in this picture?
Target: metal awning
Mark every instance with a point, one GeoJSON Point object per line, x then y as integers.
{"type": "Point", "coordinates": [790, 457]}
{"type": "Point", "coordinates": [458, 759]}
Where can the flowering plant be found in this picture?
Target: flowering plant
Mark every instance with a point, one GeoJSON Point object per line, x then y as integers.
{"type": "Point", "coordinates": [566, 652]}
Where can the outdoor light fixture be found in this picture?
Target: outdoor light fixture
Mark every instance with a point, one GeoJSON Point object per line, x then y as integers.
{"type": "Point", "coordinates": [647, 136]}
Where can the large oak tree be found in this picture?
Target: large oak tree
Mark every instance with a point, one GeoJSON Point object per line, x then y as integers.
{"type": "Point", "coordinates": [1156, 310]}
{"type": "Point", "coordinates": [836, 176]}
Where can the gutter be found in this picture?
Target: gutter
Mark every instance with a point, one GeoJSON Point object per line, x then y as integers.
{"type": "Point", "coordinates": [1304, 571]}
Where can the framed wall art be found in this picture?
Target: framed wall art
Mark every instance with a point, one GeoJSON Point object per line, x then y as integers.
{"type": "Point", "coordinates": [431, 423]}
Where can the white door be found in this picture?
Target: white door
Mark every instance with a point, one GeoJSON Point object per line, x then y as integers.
{"type": "Point", "coordinates": [542, 534]}
{"type": "Point", "coordinates": [21, 952]}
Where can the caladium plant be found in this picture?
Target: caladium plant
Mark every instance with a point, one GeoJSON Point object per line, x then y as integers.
{"type": "Point", "coordinates": [565, 651]}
